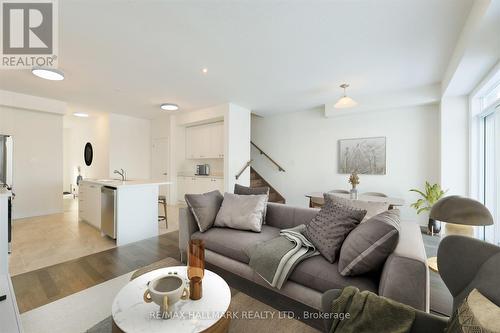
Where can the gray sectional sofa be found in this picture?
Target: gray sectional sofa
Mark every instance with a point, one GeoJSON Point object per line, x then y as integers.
{"type": "Point", "coordinates": [404, 277]}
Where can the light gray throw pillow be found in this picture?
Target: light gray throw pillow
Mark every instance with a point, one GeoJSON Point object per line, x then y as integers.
{"type": "Point", "coordinates": [204, 208]}
{"type": "Point", "coordinates": [244, 190]}
{"type": "Point", "coordinates": [372, 207]}
{"type": "Point", "coordinates": [243, 212]}
{"type": "Point", "coordinates": [331, 226]}
{"type": "Point", "coordinates": [368, 246]}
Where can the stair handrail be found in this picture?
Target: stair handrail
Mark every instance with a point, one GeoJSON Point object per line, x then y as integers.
{"type": "Point", "coordinates": [243, 169]}
{"type": "Point", "coordinates": [268, 157]}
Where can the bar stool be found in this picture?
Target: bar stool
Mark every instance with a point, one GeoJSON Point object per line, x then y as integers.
{"type": "Point", "coordinates": [162, 200]}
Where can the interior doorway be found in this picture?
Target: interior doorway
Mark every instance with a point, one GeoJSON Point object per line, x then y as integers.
{"type": "Point", "coordinates": [159, 163]}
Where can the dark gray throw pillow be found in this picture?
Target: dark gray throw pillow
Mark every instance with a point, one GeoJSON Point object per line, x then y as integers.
{"type": "Point", "coordinates": [331, 226]}
{"type": "Point", "coordinates": [244, 190]}
{"type": "Point", "coordinates": [368, 246]}
{"type": "Point", "coordinates": [204, 208]}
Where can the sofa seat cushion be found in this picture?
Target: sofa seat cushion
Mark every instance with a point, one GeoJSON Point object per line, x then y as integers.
{"type": "Point", "coordinates": [234, 243]}
{"type": "Point", "coordinates": [317, 273]}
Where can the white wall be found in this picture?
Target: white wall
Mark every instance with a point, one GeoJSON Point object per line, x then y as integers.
{"type": "Point", "coordinates": [77, 132]}
{"type": "Point", "coordinates": [454, 122]}
{"type": "Point", "coordinates": [37, 160]}
{"type": "Point", "coordinates": [305, 144]}
{"type": "Point", "coordinates": [130, 146]}
{"type": "Point", "coordinates": [237, 146]}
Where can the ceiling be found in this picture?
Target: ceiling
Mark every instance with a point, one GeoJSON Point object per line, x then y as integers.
{"type": "Point", "coordinates": [269, 56]}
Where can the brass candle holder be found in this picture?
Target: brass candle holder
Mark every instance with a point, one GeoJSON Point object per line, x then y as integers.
{"type": "Point", "coordinates": [196, 268]}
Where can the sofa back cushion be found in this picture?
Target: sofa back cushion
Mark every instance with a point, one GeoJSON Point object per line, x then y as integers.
{"type": "Point", "coordinates": [367, 247]}
{"type": "Point", "coordinates": [244, 190]}
{"type": "Point", "coordinates": [331, 226]}
{"type": "Point", "coordinates": [285, 216]}
{"type": "Point", "coordinates": [204, 208]}
{"type": "Point", "coordinates": [372, 208]}
{"type": "Point", "coordinates": [243, 212]}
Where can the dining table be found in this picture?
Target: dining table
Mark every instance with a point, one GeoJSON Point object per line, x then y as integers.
{"type": "Point", "coordinates": [316, 199]}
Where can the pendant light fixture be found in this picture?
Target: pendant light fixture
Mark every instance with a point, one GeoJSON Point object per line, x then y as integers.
{"type": "Point", "coordinates": [345, 101]}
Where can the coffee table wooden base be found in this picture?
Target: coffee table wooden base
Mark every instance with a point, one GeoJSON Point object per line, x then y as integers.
{"type": "Point", "coordinates": [221, 326]}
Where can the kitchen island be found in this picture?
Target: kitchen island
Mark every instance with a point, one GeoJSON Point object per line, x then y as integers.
{"type": "Point", "coordinates": [123, 210]}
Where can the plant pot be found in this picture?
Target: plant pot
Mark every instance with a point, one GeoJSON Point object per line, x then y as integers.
{"type": "Point", "coordinates": [434, 226]}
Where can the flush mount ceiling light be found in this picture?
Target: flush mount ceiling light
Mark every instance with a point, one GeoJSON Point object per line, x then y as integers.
{"type": "Point", "coordinates": [48, 73]}
{"type": "Point", "coordinates": [169, 107]}
{"type": "Point", "coordinates": [345, 101]}
{"type": "Point", "coordinates": [204, 70]}
{"type": "Point", "coordinates": [80, 114]}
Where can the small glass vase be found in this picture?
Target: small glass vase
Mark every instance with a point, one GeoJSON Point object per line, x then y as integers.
{"type": "Point", "coordinates": [196, 267]}
{"type": "Point", "coordinates": [353, 193]}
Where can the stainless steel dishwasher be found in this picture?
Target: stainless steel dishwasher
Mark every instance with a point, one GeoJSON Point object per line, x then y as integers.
{"type": "Point", "coordinates": [108, 211]}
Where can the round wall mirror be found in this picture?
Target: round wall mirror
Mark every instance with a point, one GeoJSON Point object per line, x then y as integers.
{"type": "Point", "coordinates": [88, 154]}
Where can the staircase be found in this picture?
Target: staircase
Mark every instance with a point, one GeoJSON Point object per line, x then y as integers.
{"type": "Point", "coordinates": [256, 180]}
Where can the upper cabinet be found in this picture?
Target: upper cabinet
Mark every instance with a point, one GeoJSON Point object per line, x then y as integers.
{"type": "Point", "coordinates": [205, 141]}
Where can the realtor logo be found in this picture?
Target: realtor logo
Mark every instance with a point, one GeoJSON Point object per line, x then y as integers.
{"type": "Point", "coordinates": [29, 33]}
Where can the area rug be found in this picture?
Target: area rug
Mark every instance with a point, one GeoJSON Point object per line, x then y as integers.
{"type": "Point", "coordinates": [270, 320]}
{"type": "Point", "coordinates": [89, 311]}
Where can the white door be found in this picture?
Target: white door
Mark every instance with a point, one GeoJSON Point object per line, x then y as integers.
{"type": "Point", "coordinates": [159, 163]}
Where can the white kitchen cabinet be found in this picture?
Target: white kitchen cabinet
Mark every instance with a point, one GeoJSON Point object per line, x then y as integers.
{"type": "Point", "coordinates": [218, 184]}
{"type": "Point", "coordinates": [205, 141]}
{"type": "Point", "coordinates": [217, 140]}
{"type": "Point", "coordinates": [89, 204]}
{"type": "Point", "coordinates": [82, 200]}
{"type": "Point", "coordinates": [202, 185]}
{"type": "Point", "coordinates": [192, 141]}
{"type": "Point", "coordinates": [197, 185]}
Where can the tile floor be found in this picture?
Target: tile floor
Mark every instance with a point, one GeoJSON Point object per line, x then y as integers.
{"type": "Point", "coordinates": [47, 240]}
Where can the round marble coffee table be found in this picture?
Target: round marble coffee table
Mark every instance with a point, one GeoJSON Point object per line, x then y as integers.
{"type": "Point", "coordinates": [208, 314]}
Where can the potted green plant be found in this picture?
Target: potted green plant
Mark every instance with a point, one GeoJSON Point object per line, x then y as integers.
{"type": "Point", "coordinates": [430, 195]}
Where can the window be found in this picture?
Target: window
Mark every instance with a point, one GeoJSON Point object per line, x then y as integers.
{"type": "Point", "coordinates": [489, 161]}
{"type": "Point", "coordinates": [493, 97]}
{"type": "Point", "coordinates": [484, 152]}
{"type": "Point", "coordinates": [485, 156]}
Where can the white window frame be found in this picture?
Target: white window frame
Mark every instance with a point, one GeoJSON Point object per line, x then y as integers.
{"type": "Point", "coordinates": [477, 112]}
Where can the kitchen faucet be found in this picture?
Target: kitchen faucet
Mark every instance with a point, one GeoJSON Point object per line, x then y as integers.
{"type": "Point", "coordinates": [122, 174]}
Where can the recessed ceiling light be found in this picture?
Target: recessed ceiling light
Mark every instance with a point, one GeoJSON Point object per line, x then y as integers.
{"type": "Point", "coordinates": [80, 114]}
{"type": "Point", "coordinates": [48, 73]}
{"type": "Point", "coordinates": [169, 107]}
{"type": "Point", "coordinates": [204, 70]}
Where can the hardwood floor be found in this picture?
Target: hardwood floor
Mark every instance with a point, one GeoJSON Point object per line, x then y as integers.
{"type": "Point", "coordinates": [47, 240]}
{"type": "Point", "coordinates": [42, 286]}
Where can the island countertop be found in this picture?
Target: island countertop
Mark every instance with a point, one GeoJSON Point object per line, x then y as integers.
{"type": "Point", "coordinates": [127, 183]}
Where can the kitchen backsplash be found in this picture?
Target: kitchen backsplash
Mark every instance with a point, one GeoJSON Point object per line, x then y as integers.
{"type": "Point", "coordinates": [189, 166]}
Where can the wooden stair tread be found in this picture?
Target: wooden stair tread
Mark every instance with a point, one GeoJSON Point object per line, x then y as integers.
{"type": "Point", "coordinates": [256, 180]}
